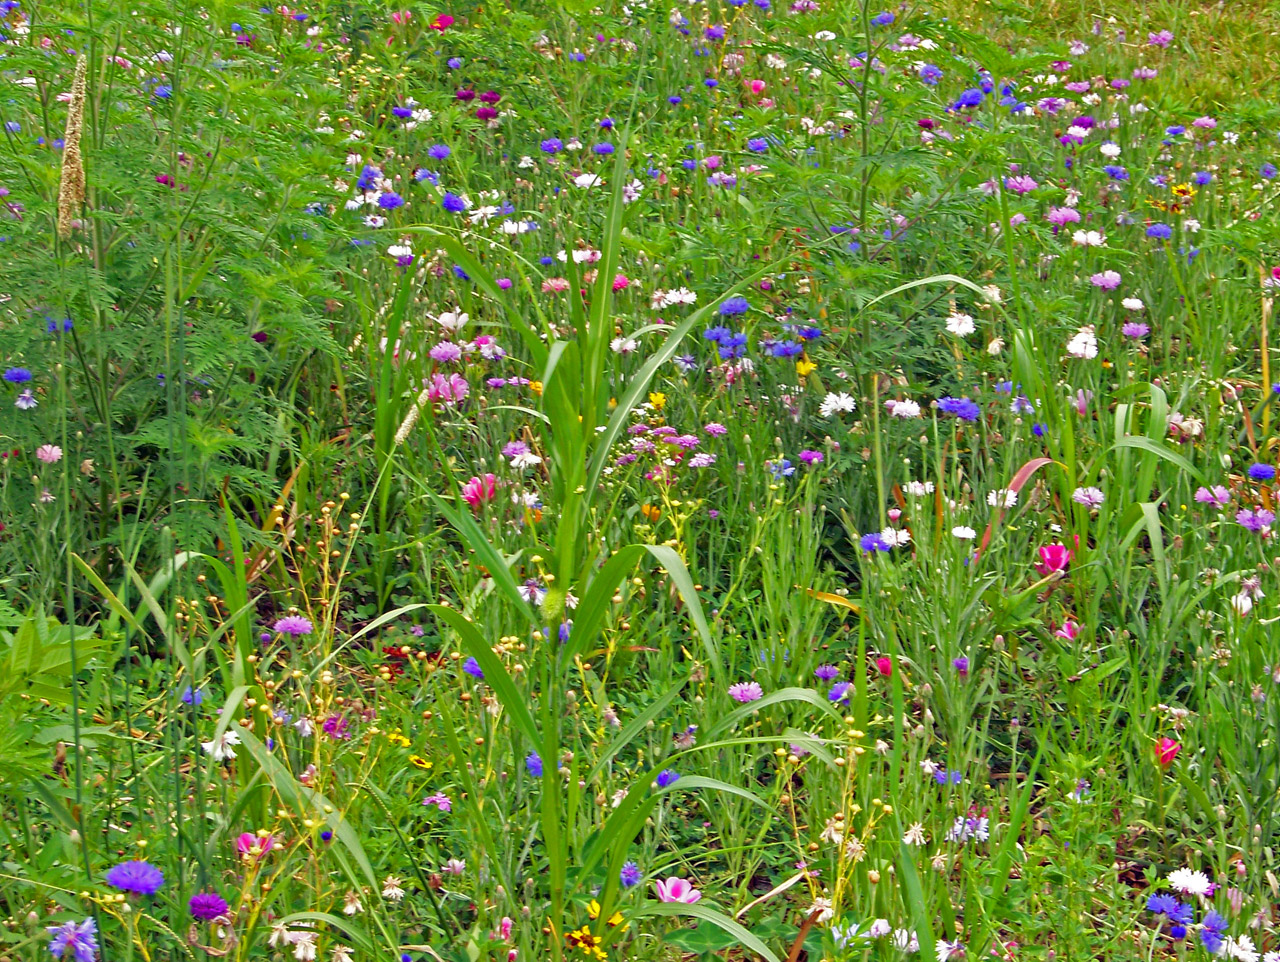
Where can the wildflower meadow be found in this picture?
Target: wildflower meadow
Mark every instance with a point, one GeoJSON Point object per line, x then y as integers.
{"type": "Point", "coordinates": [734, 480]}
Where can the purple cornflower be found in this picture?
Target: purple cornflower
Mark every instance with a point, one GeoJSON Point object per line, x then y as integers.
{"type": "Point", "coordinates": [440, 800]}
{"type": "Point", "coordinates": [1160, 231]}
{"type": "Point", "coordinates": [630, 875]}
{"type": "Point", "coordinates": [1256, 520]}
{"type": "Point", "coordinates": [74, 941]}
{"type": "Point", "coordinates": [961, 665]}
{"type": "Point", "coordinates": [716, 430]}
{"type": "Point", "coordinates": [294, 625]}
{"type": "Point", "coordinates": [961, 407]}
{"type": "Point", "coordinates": [1217, 495]}
{"type": "Point", "coordinates": [811, 457]}
{"type": "Point", "coordinates": [746, 691]}
{"type": "Point", "coordinates": [873, 542]}
{"type": "Point", "coordinates": [826, 672]}
{"type": "Point", "coordinates": [667, 777]}
{"type": "Point", "coordinates": [335, 726]}
{"type": "Point", "coordinates": [207, 906]}
{"type": "Point", "coordinates": [445, 352]}
{"type": "Point", "coordinates": [472, 668]}
{"type": "Point", "coordinates": [438, 151]}
{"type": "Point", "coordinates": [1020, 184]}
{"type": "Point", "coordinates": [734, 305]}
{"type": "Point", "coordinates": [141, 878]}
{"type": "Point", "coordinates": [1135, 329]}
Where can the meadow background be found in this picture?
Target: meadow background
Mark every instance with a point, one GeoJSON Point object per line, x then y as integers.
{"type": "Point", "coordinates": [735, 480]}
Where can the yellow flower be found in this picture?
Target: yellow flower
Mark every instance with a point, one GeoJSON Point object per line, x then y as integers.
{"type": "Point", "coordinates": [419, 762]}
{"type": "Point", "coordinates": [536, 387]}
{"type": "Point", "coordinates": [583, 940]}
{"type": "Point", "coordinates": [805, 367]}
{"type": "Point", "coordinates": [593, 911]}
{"type": "Point", "coordinates": [1184, 190]}
{"type": "Point", "coordinates": [658, 400]}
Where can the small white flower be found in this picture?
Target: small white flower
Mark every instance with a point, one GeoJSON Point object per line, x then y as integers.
{"type": "Point", "coordinates": [1133, 304]}
{"type": "Point", "coordinates": [895, 537]}
{"type": "Point", "coordinates": [995, 346]}
{"type": "Point", "coordinates": [836, 404]}
{"type": "Point", "coordinates": [392, 888]}
{"type": "Point", "coordinates": [351, 904]}
{"type": "Point", "coordinates": [222, 747]}
{"type": "Point", "coordinates": [903, 409]}
{"type": "Point", "coordinates": [918, 489]}
{"type": "Point", "coordinates": [1242, 603]}
{"type": "Point", "coordinates": [914, 835]}
{"type": "Point", "coordinates": [587, 180]}
{"type": "Point", "coordinates": [1110, 150]}
{"type": "Point", "coordinates": [1189, 881]}
{"type": "Point", "coordinates": [1004, 498]}
{"type": "Point", "coordinates": [1088, 238]}
{"type": "Point", "coordinates": [1084, 344]}
{"type": "Point", "coordinates": [1089, 497]}
{"type": "Point", "coordinates": [1241, 948]}
{"type": "Point", "coordinates": [964, 533]}
{"type": "Point", "coordinates": [961, 325]}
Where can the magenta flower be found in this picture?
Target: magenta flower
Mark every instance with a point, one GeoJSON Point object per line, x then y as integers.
{"type": "Point", "coordinates": [675, 889]}
{"type": "Point", "coordinates": [293, 625]}
{"type": "Point", "coordinates": [478, 491]}
{"type": "Point", "coordinates": [448, 390]}
{"type": "Point", "coordinates": [746, 691]}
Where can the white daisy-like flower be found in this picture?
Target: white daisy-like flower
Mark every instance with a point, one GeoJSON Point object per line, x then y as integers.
{"type": "Point", "coordinates": [1084, 344]}
{"type": "Point", "coordinates": [964, 533]}
{"type": "Point", "coordinates": [836, 404]}
{"type": "Point", "coordinates": [1089, 238]}
{"type": "Point", "coordinates": [961, 325]}
{"type": "Point", "coordinates": [1189, 881]}
{"type": "Point", "coordinates": [1241, 948]}
{"type": "Point", "coordinates": [895, 538]}
{"type": "Point", "coordinates": [1004, 498]}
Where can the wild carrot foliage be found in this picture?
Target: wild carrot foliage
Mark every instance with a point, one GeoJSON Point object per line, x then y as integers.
{"type": "Point", "coordinates": [745, 480]}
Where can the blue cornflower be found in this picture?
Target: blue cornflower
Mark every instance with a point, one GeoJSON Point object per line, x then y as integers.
{"type": "Point", "coordinates": [578, 56]}
{"type": "Point", "coordinates": [630, 875]}
{"type": "Point", "coordinates": [74, 941]}
{"type": "Point", "coordinates": [1115, 172]}
{"type": "Point", "coordinates": [882, 19]}
{"type": "Point", "coordinates": [390, 200]}
{"type": "Point", "coordinates": [757, 145]}
{"type": "Point", "coordinates": [826, 672]}
{"type": "Point", "coordinates": [460, 274]}
{"type": "Point", "coordinates": [193, 696]}
{"type": "Point", "coordinates": [930, 74]}
{"type": "Point", "coordinates": [667, 777]}
{"type": "Point", "coordinates": [403, 113]}
{"type": "Point", "coordinates": [1037, 429]}
{"type": "Point", "coordinates": [1262, 472]}
{"type": "Point", "coordinates": [689, 164]}
{"type": "Point", "coordinates": [839, 693]}
{"type": "Point", "coordinates": [472, 668]}
{"type": "Point", "coordinates": [546, 261]}
{"type": "Point", "coordinates": [438, 151]}
{"type": "Point", "coordinates": [368, 176]}
{"type": "Point", "coordinates": [67, 326]}
{"type": "Point", "coordinates": [453, 203]}
{"type": "Point", "coordinates": [1177, 130]}
{"type": "Point", "coordinates": [873, 542]}
{"type": "Point", "coordinates": [1267, 171]}
{"type": "Point", "coordinates": [734, 305]}
{"type": "Point", "coordinates": [782, 468]}
{"type": "Point", "coordinates": [961, 407]}
{"type": "Point", "coordinates": [714, 32]}
{"type": "Point", "coordinates": [969, 98]}
{"type": "Point", "coordinates": [1202, 177]}
{"type": "Point", "coordinates": [533, 762]}
{"type": "Point", "coordinates": [17, 375]}
{"type": "Point", "coordinates": [1160, 231]}
{"type": "Point", "coordinates": [430, 176]}
{"type": "Point", "coordinates": [786, 349]}
{"type": "Point", "coordinates": [711, 82]}
{"type": "Point", "coordinates": [162, 92]}
{"type": "Point", "coordinates": [674, 100]}
{"type": "Point", "coordinates": [603, 148]}
{"type": "Point", "coordinates": [1162, 903]}
{"type": "Point", "coordinates": [141, 878]}
{"type": "Point", "coordinates": [453, 63]}
{"type": "Point", "coordinates": [13, 127]}
{"type": "Point", "coordinates": [1211, 930]}
{"type": "Point", "coordinates": [606, 123]}
{"type": "Point", "coordinates": [720, 332]}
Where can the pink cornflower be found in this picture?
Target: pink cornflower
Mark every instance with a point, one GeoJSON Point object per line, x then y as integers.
{"type": "Point", "coordinates": [554, 285]}
{"type": "Point", "coordinates": [746, 691]}
{"type": "Point", "coordinates": [1106, 280]}
{"type": "Point", "coordinates": [49, 453]}
{"type": "Point", "coordinates": [440, 801]}
{"type": "Point", "coordinates": [448, 389]}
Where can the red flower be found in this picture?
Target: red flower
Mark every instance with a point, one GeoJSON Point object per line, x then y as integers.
{"type": "Point", "coordinates": [442, 22]}
{"type": "Point", "coordinates": [884, 665]}
{"type": "Point", "coordinates": [1166, 751]}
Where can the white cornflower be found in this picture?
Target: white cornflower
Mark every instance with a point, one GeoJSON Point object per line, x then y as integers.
{"type": "Point", "coordinates": [895, 538]}
{"type": "Point", "coordinates": [961, 325]}
{"type": "Point", "coordinates": [1189, 881]}
{"type": "Point", "coordinates": [903, 409]}
{"type": "Point", "coordinates": [222, 747]}
{"type": "Point", "coordinates": [1089, 497]}
{"type": "Point", "coordinates": [918, 489]}
{"type": "Point", "coordinates": [1132, 304]}
{"type": "Point", "coordinates": [351, 904]}
{"type": "Point", "coordinates": [836, 404]}
{"type": "Point", "coordinates": [964, 533]}
{"type": "Point", "coordinates": [392, 888]}
{"type": "Point", "coordinates": [1004, 498]}
{"type": "Point", "coordinates": [1088, 238]}
{"type": "Point", "coordinates": [914, 835]}
{"type": "Point", "coordinates": [1084, 344]}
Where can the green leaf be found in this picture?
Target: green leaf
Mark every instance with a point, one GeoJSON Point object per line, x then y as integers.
{"type": "Point", "coordinates": [699, 911]}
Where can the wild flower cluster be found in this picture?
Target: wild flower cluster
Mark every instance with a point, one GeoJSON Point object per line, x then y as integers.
{"type": "Point", "coordinates": [747, 479]}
